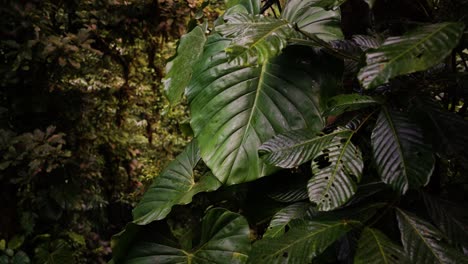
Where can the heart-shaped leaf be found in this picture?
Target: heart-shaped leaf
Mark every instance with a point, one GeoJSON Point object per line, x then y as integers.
{"type": "Point", "coordinates": [235, 108]}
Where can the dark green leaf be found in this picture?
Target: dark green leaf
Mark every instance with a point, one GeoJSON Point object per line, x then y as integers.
{"type": "Point", "coordinates": [402, 157]}
{"type": "Point", "coordinates": [450, 219]}
{"type": "Point", "coordinates": [284, 216]}
{"type": "Point", "coordinates": [304, 241]}
{"type": "Point", "coordinates": [415, 51]}
{"type": "Point", "coordinates": [235, 108]}
{"type": "Point", "coordinates": [348, 102]}
{"type": "Point", "coordinates": [447, 130]}
{"type": "Point", "coordinates": [176, 185]}
{"type": "Point", "coordinates": [423, 243]}
{"type": "Point", "coordinates": [224, 239]}
{"type": "Point", "coordinates": [179, 70]}
{"type": "Point", "coordinates": [375, 248]}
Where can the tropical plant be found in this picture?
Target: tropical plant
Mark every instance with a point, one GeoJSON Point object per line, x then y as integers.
{"type": "Point", "coordinates": [330, 143]}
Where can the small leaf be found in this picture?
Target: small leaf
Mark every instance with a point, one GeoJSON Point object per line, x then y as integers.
{"type": "Point", "coordinates": [415, 51]}
{"type": "Point", "coordinates": [293, 148]}
{"type": "Point", "coordinates": [179, 70]}
{"type": "Point", "coordinates": [348, 102]}
{"type": "Point", "coordinates": [423, 243]}
{"type": "Point", "coordinates": [303, 242]}
{"type": "Point", "coordinates": [283, 217]}
{"type": "Point", "coordinates": [175, 185]}
{"type": "Point", "coordinates": [374, 248]}
{"type": "Point", "coordinates": [402, 157]}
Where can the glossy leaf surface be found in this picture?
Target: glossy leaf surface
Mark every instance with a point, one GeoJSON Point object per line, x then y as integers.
{"type": "Point", "coordinates": [313, 19]}
{"type": "Point", "coordinates": [402, 157]}
{"type": "Point", "coordinates": [423, 243]}
{"type": "Point", "coordinates": [179, 70]}
{"type": "Point", "coordinates": [415, 51]}
{"type": "Point", "coordinates": [235, 108]}
{"type": "Point", "coordinates": [336, 168]}
{"type": "Point", "coordinates": [176, 185]}
{"type": "Point", "coordinates": [293, 148]}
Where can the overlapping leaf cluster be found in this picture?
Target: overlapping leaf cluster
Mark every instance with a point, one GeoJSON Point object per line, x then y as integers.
{"type": "Point", "coordinates": [270, 93]}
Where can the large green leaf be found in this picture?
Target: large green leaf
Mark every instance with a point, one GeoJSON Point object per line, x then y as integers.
{"type": "Point", "coordinates": [423, 243]}
{"type": "Point", "coordinates": [291, 149]}
{"type": "Point", "coordinates": [177, 184]}
{"type": "Point", "coordinates": [235, 108]}
{"type": "Point", "coordinates": [179, 70]}
{"type": "Point", "coordinates": [336, 168]}
{"type": "Point", "coordinates": [224, 239]}
{"type": "Point", "coordinates": [255, 37]}
{"type": "Point", "coordinates": [304, 241]}
{"type": "Point", "coordinates": [402, 157]}
{"type": "Point", "coordinates": [415, 51]}
{"type": "Point", "coordinates": [284, 216]}
{"type": "Point", "coordinates": [348, 102]}
{"type": "Point", "coordinates": [450, 219]}
{"type": "Point", "coordinates": [375, 248]}
{"type": "Point", "coordinates": [313, 19]}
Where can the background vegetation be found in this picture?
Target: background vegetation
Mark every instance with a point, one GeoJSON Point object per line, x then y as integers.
{"type": "Point", "coordinates": [83, 123]}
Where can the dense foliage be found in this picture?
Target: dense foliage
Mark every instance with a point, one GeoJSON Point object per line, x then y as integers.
{"type": "Point", "coordinates": [325, 131]}
{"type": "Point", "coordinates": [83, 123]}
